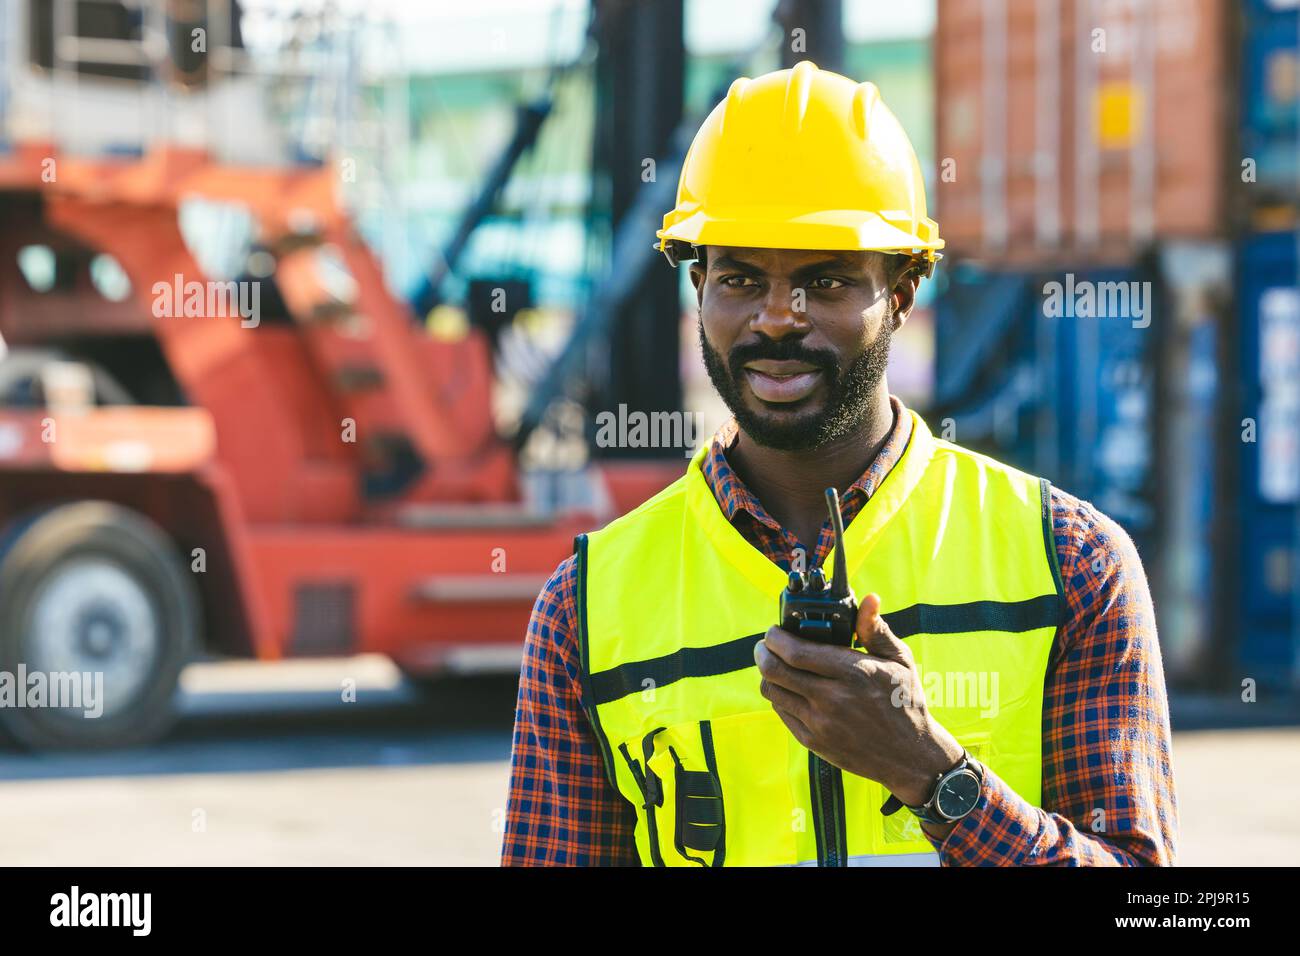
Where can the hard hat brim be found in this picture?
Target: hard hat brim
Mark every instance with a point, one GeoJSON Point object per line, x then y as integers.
{"type": "Point", "coordinates": [833, 229]}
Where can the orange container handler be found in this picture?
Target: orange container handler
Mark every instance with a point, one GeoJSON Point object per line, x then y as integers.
{"type": "Point", "coordinates": [325, 478]}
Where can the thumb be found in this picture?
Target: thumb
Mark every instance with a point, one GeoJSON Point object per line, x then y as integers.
{"type": "Point", "coordinates": [875, 634]}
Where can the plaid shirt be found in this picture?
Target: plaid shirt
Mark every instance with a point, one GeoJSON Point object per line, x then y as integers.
{"type": "Point", "coordinates": [1107, 787]}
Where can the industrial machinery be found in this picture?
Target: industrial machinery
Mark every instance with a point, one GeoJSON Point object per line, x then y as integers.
{"type": "Point", "coordinates": [271, 462]}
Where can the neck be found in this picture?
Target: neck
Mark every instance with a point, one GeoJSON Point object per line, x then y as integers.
{"type": "Point", "coordinates": [792, 485]}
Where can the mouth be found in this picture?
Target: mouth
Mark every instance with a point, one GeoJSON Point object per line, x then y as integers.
{"type": "Point", "coordinates": [781, 381]}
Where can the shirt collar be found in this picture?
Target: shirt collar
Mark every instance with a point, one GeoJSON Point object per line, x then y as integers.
{"type": "Point", "coordinates": [736, 499]}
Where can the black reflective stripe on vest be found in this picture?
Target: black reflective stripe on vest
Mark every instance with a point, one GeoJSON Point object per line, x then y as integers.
{"type": "Point", "coordinates": [1011, 616]}
{"type": "Point", "coordinates": [617, 682]}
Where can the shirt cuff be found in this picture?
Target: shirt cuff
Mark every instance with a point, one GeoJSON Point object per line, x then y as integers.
{"type": "Point", "coordinates": [996, 833]}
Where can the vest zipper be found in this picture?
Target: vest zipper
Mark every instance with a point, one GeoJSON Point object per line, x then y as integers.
{"type": "Point", "coordinates": [826, 784]}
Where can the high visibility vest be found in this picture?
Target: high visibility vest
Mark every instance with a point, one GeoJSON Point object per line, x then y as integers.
{"type": "Point", "coordinates": [672, 600]}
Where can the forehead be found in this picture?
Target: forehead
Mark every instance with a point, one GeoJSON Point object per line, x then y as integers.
{"type": "Point", "coordinates": [786, 261]}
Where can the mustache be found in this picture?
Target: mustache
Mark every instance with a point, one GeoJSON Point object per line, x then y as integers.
{"type": "Point", "coordinates": [788, 349]}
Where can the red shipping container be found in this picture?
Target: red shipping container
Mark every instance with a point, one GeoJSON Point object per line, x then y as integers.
{"type": "Point", "coordinates": [1083, 128]}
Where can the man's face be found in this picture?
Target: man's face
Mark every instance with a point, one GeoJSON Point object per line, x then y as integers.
{"type": "Point", "coordinates": [796, 341]}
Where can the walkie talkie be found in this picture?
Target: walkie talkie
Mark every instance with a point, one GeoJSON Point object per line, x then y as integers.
{"type": "Point", "coordinates": [815, 610]}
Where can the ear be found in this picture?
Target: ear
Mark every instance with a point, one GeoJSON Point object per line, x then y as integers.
{"type": "Point", "coordinates": [904, 295]}
{"type": "Point", "coordinates": [697, 272]}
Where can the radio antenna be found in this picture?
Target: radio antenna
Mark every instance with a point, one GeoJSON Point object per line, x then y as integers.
{"type": "Point", "coordinates": [840, 583]}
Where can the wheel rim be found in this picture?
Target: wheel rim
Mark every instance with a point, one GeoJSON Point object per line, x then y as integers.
{"type": "Point", "coordinates": [92, 615]}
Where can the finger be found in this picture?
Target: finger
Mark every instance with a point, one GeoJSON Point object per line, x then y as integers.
{"type": "Point", "coordinates": [777, 671]}
{"type": "Point", "coordinates": [875, 634]}
{"type": "Point", "coordinates": [808, 656]}
{"type": "Point", "coordinates": [786, 700]}
{"type": "Point", "coordinates": [797, 727]}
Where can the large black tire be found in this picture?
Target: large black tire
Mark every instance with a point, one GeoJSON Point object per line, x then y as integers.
{"type": "Point", "coordinates": [112, 583]}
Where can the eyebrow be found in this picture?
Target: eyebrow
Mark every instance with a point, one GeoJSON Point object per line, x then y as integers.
{"type": "Point", "coordinates": [811, 269]}
{"type": "Point", "coordinates": [726, 262]}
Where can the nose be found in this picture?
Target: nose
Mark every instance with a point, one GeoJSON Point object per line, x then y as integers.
{"type": "Point", "coordinates": [782, 312]}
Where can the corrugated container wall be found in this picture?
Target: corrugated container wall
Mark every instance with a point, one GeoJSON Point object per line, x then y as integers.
{"type": "Point", "coordinates": [1079, 128]}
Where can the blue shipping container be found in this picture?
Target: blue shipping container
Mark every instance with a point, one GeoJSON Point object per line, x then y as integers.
{"type": "Point", "coordinates": [1270, 467]}
{"type": "Point", "coordinates": [1053, 373]}
{"type": "Point", "coordinates": [1104, 393]}
{"type": "Point", "coordinates": [1270, 106]}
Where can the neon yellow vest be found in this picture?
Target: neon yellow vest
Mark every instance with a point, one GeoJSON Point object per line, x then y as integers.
{"type": "Point", "coordinates": [672, 600]}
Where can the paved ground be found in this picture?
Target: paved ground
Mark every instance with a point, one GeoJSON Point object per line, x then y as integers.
{"type": "Point", "coordinates": [1237, 796]}
{"type": "Point", "coordinates": [269, 765]}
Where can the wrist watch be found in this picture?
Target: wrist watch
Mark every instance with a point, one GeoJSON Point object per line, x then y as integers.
{"type": "Point", "coordinates": [955, 793]}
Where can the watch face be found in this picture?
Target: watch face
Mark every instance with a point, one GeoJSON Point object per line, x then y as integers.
{"type": "Point", "coordinates": [958, 795]}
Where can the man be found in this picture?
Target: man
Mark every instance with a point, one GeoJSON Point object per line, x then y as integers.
{"type": "Point", "coordinates": [1006, 686]}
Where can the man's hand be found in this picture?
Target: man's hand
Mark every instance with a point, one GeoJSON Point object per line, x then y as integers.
{"type": "Point", "coordinates": [864, 713]}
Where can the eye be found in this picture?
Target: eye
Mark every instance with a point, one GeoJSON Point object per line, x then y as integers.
{"type": "Point", "coordinates": [825, 283]}
{"type": "Point", "coordinates": [737, 281]}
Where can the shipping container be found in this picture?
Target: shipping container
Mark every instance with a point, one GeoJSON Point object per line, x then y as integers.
{"type": "Point", "coordinates": [1136, 407]}
{"type": "Point", "coordinates": [1134, 141]}
{"type": "Point", "coordinates": [1054, 372]}
{"type": "Point", "coordinates": [1268, 638]}
{"type": "Point", "coordinates": [1080, 130]}
{"type": "Point", "coordinates": [986, 385]}
{"type": "Point", "coordinates": [1195, 448]}
{"type": "Point", "coordinates": [1104, 386]}
{"type": "Point", "coordinates": [1270, 110]}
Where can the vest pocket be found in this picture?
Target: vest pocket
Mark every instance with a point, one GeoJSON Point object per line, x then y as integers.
{"type": "Point", "coordinates": [678, 800]}
{"type": "Point", "coordinates": [683, 818]}
{"type": "Point", "coordinates": [724, 792]}
{"type": "Point", "coordinates": [701, 825]}
{"type": "Point", "coordinates": [688, 826]}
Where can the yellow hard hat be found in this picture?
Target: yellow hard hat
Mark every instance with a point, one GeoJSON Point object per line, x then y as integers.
{"type": "Point", "coordinates": [802, 159]}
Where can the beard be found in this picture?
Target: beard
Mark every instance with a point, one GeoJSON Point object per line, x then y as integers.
{"type": "Point", "coordinates": [848, 391]}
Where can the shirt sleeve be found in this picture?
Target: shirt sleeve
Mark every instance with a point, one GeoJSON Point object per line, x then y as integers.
{"type": "Point", "coordinates": [562, 809]}
{"type": "Point", "coordinates": [1108, 788]}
